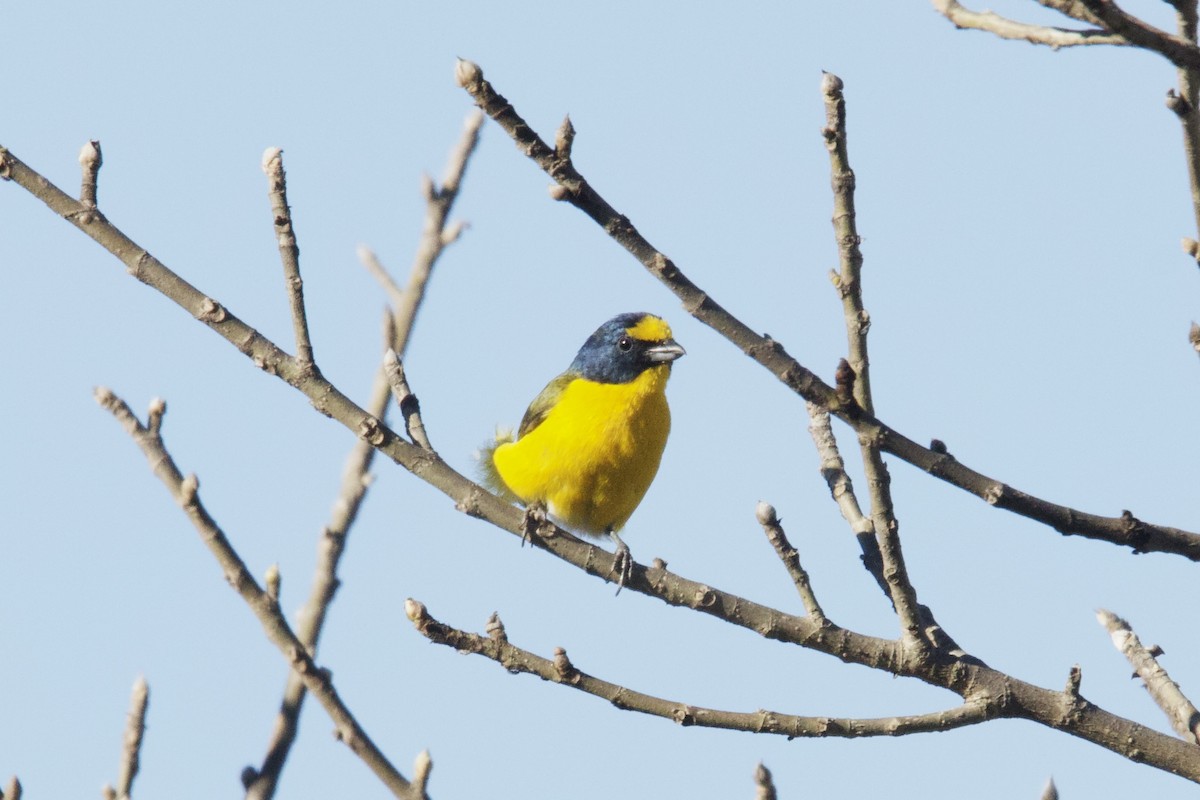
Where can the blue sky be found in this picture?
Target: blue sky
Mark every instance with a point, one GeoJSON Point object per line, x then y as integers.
{"type": "Point", "coordinates": [1021, 212]}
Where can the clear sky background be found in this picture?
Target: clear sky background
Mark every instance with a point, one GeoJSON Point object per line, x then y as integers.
{"type": "Point", "coordinates": [1021, 209]}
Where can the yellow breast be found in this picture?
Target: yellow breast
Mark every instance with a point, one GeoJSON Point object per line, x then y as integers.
{"type": "Point", "coordinates": [594, 456]}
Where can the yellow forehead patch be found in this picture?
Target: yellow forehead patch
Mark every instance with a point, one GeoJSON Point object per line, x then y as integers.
{"type": "Point", "coordinates": [650, 329]}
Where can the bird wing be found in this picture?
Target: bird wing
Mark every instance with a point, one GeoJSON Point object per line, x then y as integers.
{"type": "Point", "coordinates": [541, 406]}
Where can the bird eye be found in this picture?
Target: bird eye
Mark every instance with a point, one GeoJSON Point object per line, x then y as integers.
{"type": "Point", "coordinates": [624, 344]}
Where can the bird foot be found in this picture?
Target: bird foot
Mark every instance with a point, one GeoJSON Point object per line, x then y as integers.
{"type": "Point", "coordinates": [622, 565]}
{"type": "Point", "coordinates": [535, 515]}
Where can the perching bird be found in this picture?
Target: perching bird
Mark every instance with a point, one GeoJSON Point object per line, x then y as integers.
{"type": "Point", "coordinates": [589, 445]}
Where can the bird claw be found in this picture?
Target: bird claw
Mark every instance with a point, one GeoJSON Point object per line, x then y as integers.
{"type": "Point", "coordinates": [535, 515]}
{"type": "Point", "coordinates": [622, 565]}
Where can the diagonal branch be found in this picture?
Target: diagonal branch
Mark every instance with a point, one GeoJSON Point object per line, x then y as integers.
{"type": "Point", "coordinates": [833, 470]}
{"type": "Point", "coordinates": [1184, 717]}
{"type": "Point", "coordinates": [790, 556]}
{"type": "Point", "coordinates": [316, 680]}
{"type": "Point", "coordinates": [849, 285]}
{"type": "Point", "coordinates": [1176, 49]}
{"type": "Point", "coordinates": [135, 727]}
{"type": "Point", "coordinates": [1124, 530]}
{"type": "Point", "coordinates": [1006, 28]}
{"type": "Point", "coordinates": [289, 252]}
{"type": "Point", "coordinates": [764, 784]}
{"type": "Point", "coordinates": [560, 670]}
{"type": "Point", "coordinates": [261, 782]}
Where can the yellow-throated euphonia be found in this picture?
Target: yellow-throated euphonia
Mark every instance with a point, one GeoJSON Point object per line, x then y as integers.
{"type": "Point", "coordinates": [589, 445]}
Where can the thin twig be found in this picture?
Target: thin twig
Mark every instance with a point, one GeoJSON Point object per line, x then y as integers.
{"type": "Point", "coordinates": [1006, 28]}
{"type": "Point", "coordinates": [422, 766]}
{"type": "Point", "coordinates": [764, 784]}
{"type": "Point", "coordinates": [90, 160]}
{"type": "Point", "coordinates": [1184, 717]}
{"type": "Point", "coordinates": [406, 401]}
{"type": "Point", "coordinates": [769, 520]}
{"type": "Point", "coordinates": [289, 252]}
{"type": "Point", "coordinates": [1186, 105]}
{"type": "Point", "coordinates": [395, 294]}
{"type": "Point", "coordinates": [849, 285]}
{"type": "Point", "coordinates": [559, 669]}
{"type": "Point", "coordinates": [847, 281]}
{"type": "Point", "coordinates": [135, 727]}
{"type": "Point", "coordinates": [833, 469]}
{"type": "Point", "coordinates": [316, 680]}
{"type": "Point", "coordinates": [261, 782]}
{"type": "Point", "coordinates": [436, 234]}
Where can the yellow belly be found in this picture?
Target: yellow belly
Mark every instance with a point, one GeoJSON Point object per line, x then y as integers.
{"type": "Point", "coordinates": [594, 456]}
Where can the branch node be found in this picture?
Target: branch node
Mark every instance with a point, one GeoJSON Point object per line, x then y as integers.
{"type": "Point", "coordinates": [90, 160]}
{"type": "Point", "coordinates": [564, 668]}
{"type": "Point", "coordinates": [704, 597]}
{"type": "Point", "coordinates": [371, 431]}
{"type": "Point", "coordinates": [764, 783]}
{"type": "Point", "coordinates": [273, 580]}
{"type": "Point", "coordinates": [154, 416]}
{"type": "Point", "coordinates": [1178, 104]}
{"type": "Point", "coordinates": [422, 765]}
{"type": "Point", "coordinates": [564, 139]}
{"type": "Point", "coordinates": [495, 628]}
{"type": "Point", "coordinates": [1074, 679]}
{"type": "Point", "coordinates": [188, 489]}
{"type": "Point", "coordinates": [211, 312]}
{"type": "Point", "coordinates": [467, 73]}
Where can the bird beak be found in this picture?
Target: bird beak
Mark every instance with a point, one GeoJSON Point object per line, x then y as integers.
{"type": "Point", "coordinates": [664, 352]}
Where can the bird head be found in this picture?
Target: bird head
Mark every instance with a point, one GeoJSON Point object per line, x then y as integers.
{"type": "Point", "coordinates": [624, 347]}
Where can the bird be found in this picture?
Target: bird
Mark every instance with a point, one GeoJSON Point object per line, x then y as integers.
{"type": "Point", "coordinates": [590, 443]}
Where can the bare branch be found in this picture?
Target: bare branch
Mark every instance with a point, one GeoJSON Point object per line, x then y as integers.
{"type": "Point", "coordinates": [410, 407]}
{"type": "Point", "coordinates": [1176, 49]}
{"type": "Point", "coordinates": [422, 766]}
{"type": "Point", "coordinates": [769, 520]}
{"type": "Point", "coordinates": [559, 669]}
{"type": "Point", "coordinates": [1073, 9]}
{"type": "Point", "coordinates": [1124, 530]}
{"type": "Point", "coordinates": [1006, 28]}
{"type": "Point", "coordinates": [435, 235]}
{"type": "Point", "coordinates": [848, 281]}
{"type": "Point", "coordinates": [763, 784]}
{"type": "Point", "coordinates": [1184, 717]}
{"type": "Point", "coordinates": [395, 294]}
{"type": "Point", "coordinates": [289, 252]}
{"type": "Point", "coordinates": [849, 285]}
{"type": "Point", "coordinates": [135, 727]}
{"type": "Point", "coordinates": [90, 160]}
{"type": "Point", "coordinates": [833, 469]}
{"type": "Point", "coordinates": [316, 680]}
{"type": "Point", "coordinates": [260, 783]}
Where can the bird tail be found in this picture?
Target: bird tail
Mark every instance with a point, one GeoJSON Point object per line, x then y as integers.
{"type": "Point", "coordinates": [489, 476]}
